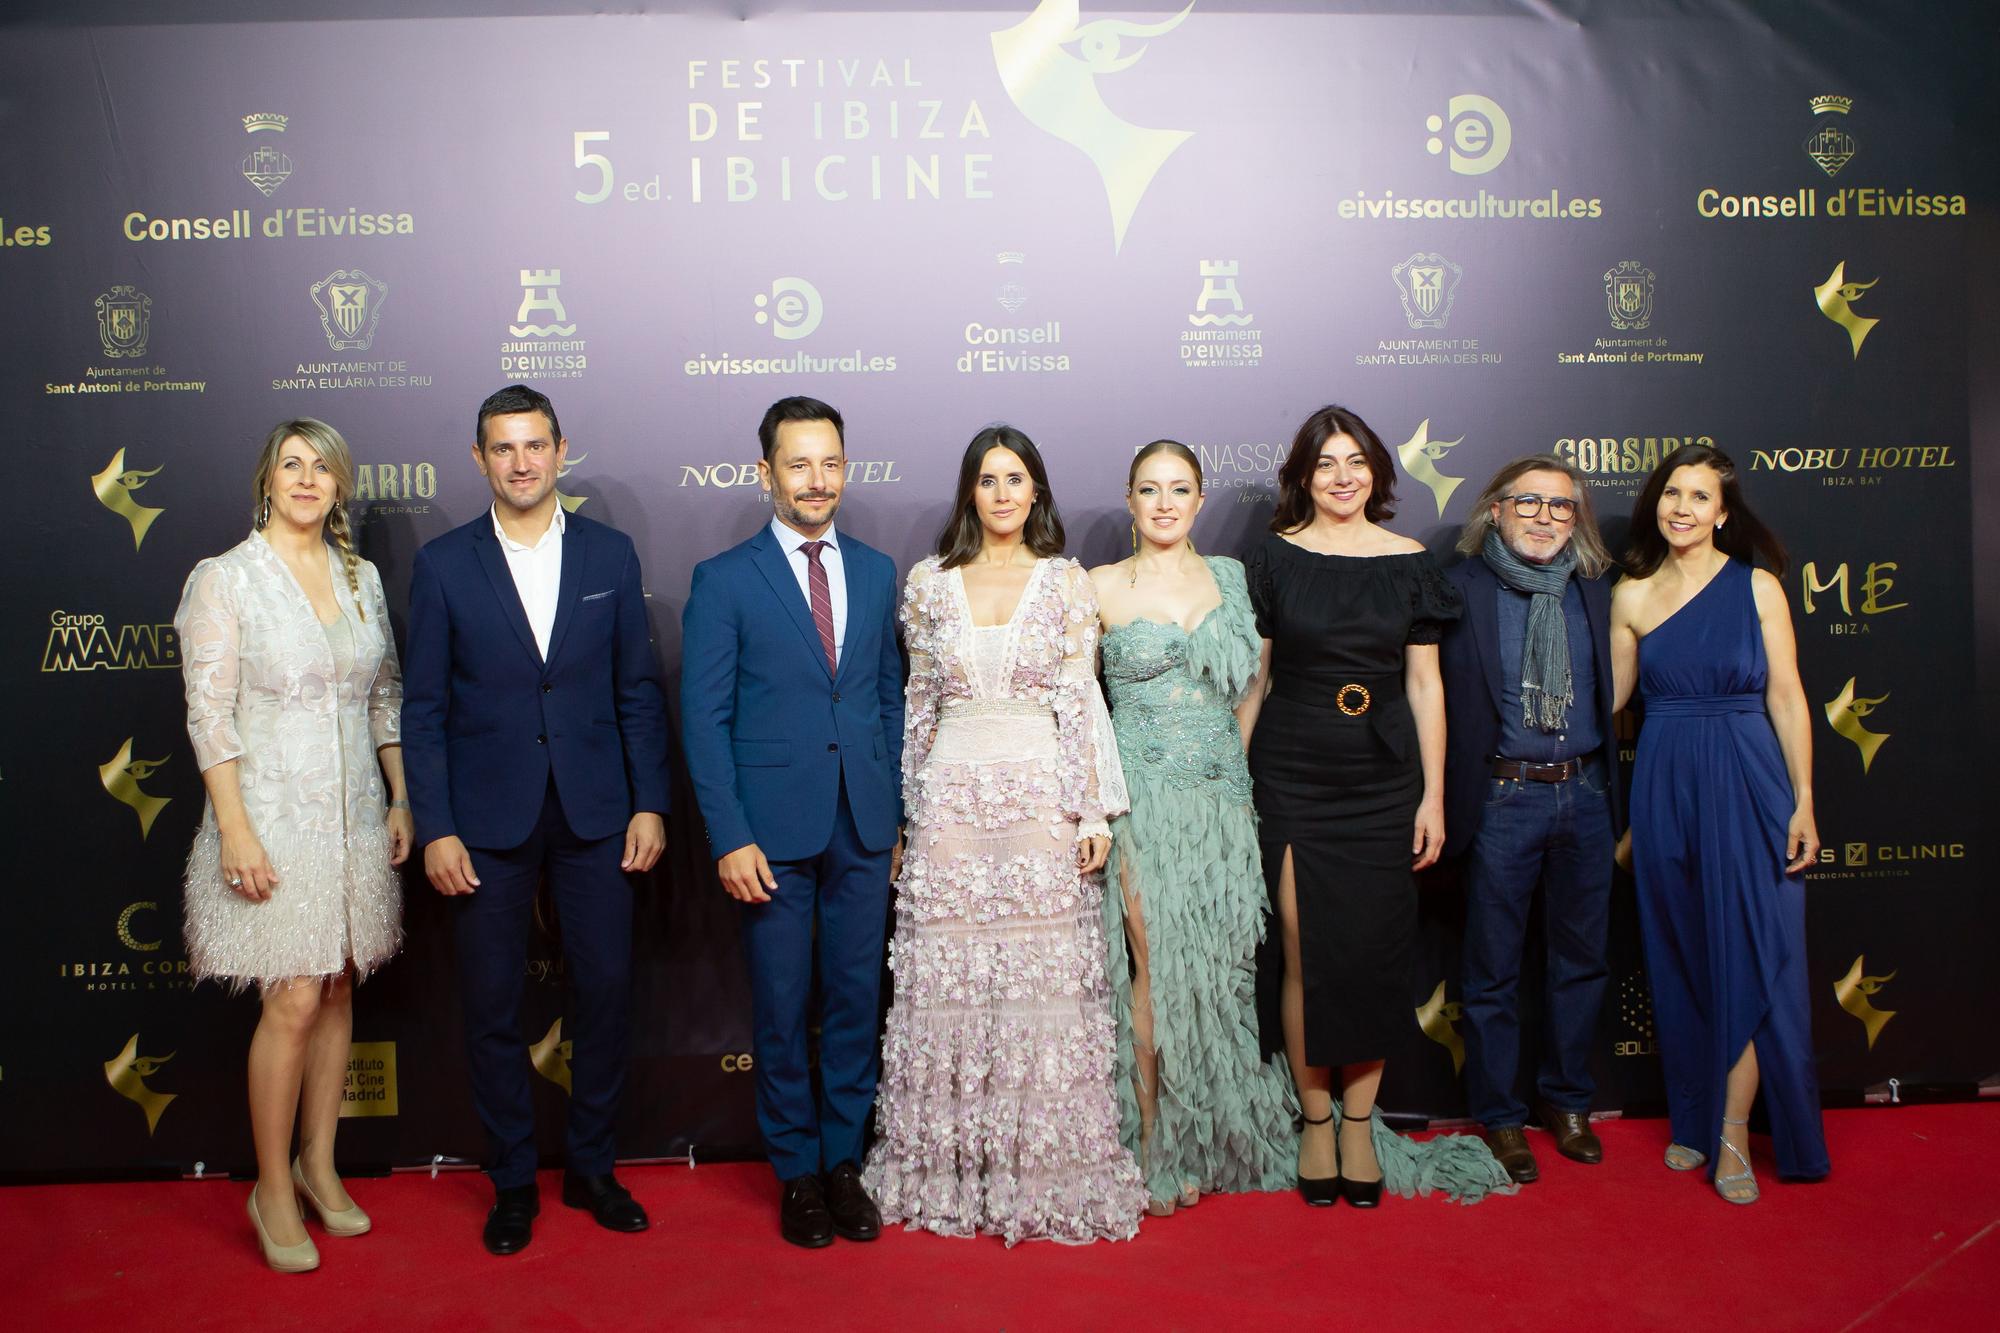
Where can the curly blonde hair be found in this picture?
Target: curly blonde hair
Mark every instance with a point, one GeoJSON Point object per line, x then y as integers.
{"type": "Point", "coordinates": [332, 449]}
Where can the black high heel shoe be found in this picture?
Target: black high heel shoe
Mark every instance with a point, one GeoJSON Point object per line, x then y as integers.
{"type": "Point", "coordinates": [1319, 1193]}
{"type": "Point", "coordinates": [1359, 1193]}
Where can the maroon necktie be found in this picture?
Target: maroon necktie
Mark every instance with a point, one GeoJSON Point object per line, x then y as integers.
{"type": "Point", "coordinates": [822, 599]}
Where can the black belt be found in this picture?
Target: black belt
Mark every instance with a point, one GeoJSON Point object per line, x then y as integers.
{"type": "Point", "coordinates": [1522, 771]}
{"type": "Point", "coordinates": [1354, 697]}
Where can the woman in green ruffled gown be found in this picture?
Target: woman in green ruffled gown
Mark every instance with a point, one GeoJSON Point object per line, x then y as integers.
{"type": "Point", "coordinates": [1185, 903]}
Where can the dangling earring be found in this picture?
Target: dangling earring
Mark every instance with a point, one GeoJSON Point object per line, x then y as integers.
{"type": "Point", "coordinates": [264, 514]}
{"type": "Point", "coordinates": [1133, 582]}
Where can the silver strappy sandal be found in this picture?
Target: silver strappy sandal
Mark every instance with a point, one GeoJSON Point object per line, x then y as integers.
{"type": "Point", "coordinates": [1738, 1179]}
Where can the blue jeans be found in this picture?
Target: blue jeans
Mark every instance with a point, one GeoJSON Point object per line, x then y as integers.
{"type": "Point", "coordinates": [1557, 834]}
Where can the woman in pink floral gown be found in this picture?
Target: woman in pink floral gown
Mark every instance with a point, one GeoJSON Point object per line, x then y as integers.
{"type": "Point", "coordinates": [996, 1112]}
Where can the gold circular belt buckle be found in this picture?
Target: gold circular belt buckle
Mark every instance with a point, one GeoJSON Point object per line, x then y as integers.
{"type": "Point", "coordinates": [1340, 700]}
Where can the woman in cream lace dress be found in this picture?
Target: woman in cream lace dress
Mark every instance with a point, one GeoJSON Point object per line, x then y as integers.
{"type": "Point", "coordinates": [996, 1110]}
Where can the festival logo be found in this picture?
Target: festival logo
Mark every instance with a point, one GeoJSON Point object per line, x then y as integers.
{"type": "Point", "coordinates": [350, 306]}
{"type": "Point", "coordinates": [124, 317]}
{"type": "Point", "coordinates": [1439, 1021]}
{"type": "Point", "coordinates": [1420, 455]}
{"type": "Point", "coordinates": [1010, 294]}
{"type": "Point", "coordinates": [1635, 1006]}
{"type": "Point", "coordinates": [793, 308]}
{"type": "Point", "coordinates": [1219, 335]}
{"type": "Point", "coordinates": [551, 1056]}
{"type": "Point", "coordinates": [113, 488]}
{"type": "Point", "coordinates": [1628, 294]}
{"type": "Point", "coordinates": [572, 503]}
{"type": "Point", "coordinates": [265, 166]}
{"type": "Point", "coordinates": [1830, 146]}
{"type": "Point", "coordinates": [1481, 134]}
{"type": "Point", "coordinates": [1836, 297]}
{"type": "Point", "coordinates": [1429, 284]}
{"type": "Point", "coordinates": [121, 778]}
{"type": "Point", "coordinates": [127, 1073]}
{"type": "Point", "coordinates": [1854, 991]}
{"type": "Point", "coordinates": [1050, 63]}
{"type": "Point", "coordinates": [1844, 713]}
{"type": "Point", "coordinates": [370, 1089]}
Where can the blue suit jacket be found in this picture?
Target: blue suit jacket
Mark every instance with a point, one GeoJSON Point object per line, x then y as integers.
{"type": "Point", "coordinates": [1474, 693]}
{"type": "Point", "coordinates": [770, 733]}
{"type": "Point", "coordinates": [486, 721]}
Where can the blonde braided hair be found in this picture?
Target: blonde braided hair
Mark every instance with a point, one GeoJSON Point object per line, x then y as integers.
{"type": "Point", "coordinates": [332, 449]}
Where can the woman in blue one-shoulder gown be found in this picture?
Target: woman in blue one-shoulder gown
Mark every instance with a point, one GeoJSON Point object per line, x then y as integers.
{"type": "Point", "coordinates": [1722, 820]}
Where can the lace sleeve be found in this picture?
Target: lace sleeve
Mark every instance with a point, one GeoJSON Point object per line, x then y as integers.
{"type": "Point", "coordinates": [210, 664]}
{"type": "Point", "coordinates": [385, 694]}
{"type": "Point", "coordinates": [1093, 779]}
{"type": "Point", "coordinates": [920, 705]}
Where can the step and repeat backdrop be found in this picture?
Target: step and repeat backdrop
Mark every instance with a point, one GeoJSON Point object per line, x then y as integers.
{"type": "Point", "coordinates": [1489, 233]}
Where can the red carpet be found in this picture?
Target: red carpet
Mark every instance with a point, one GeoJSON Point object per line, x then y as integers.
{"type": "Point", "coordinates": [1905, 1234]}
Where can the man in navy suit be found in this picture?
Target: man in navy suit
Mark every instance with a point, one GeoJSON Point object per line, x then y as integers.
{"type": "Point", "coordinates": [535, 737]}
{"type": "Point", "coordinates": [792, 716]}
{"type": "Point", "coordinates": [1531, 791]}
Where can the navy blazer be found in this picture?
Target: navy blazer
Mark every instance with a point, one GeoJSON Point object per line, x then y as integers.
{"type": "Point", "coordinates": [1474, 694]}
{"type": "Point", "coordinates": [487, 722]}
{"type": "Point", "coordinates": [771, 735]}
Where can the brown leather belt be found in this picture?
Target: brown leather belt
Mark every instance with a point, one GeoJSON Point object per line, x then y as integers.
{"type": "Point", "coordinates": [1522, 771]}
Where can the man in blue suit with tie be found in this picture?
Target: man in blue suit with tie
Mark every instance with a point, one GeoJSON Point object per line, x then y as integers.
{"type": "Point", "coordinates": [792, 716]}
{"type": "Point", "coordinates": [535, 740]}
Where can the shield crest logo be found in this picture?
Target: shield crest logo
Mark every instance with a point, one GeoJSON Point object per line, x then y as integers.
{"type": "Point", "coordinates": [124, 315]}
{"type": "Point", "coordinates": [1628, 295]}
{"type": "Point", "coordinates": [1429, 284]}
{"type": "Point", "coordinates": [350, 307]}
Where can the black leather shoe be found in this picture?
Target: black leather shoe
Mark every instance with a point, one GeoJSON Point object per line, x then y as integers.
{"type": "Point", "coordinates": [511, 1223]}
{"type": "Point", "coordinates": [803, 1218]}
{"type": "Point", "coordinates": [606, 1199]}
{"type": "Point", "coordinates": [855, 1216]}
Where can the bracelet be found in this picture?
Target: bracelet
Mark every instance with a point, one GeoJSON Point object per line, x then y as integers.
{"type": "Point", "coordinates": [399, 805]}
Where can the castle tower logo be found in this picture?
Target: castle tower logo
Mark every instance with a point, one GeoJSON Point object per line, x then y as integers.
{"type": "Point", "coordinates": [1429, 284]}
{"type": "Point", "coordinates": [1836, 297]}
{"type": "Point", "coordinates": [113, 488]}
{"type": "Point", "coordinates": [1628, 294]}
{"type": "Point", "coordinates": [127, 1073]}
{"type": "Point", "coordinates": [1420, 455]}
{"type": "Point", "coordinates": [264, 166]}
{"type": "Point", "coordinates": [1830, 146]}
{"type": "Point", "coordinates": [1011, 294]}
{"type": "Point", "coordinates": [1438, 1020]}
{"type": "Point", "coordinates": [1057, 91]}
{"type": "Point", "coordinates": [1218, 288]}
{"type": "Point", "coordinates": [124, 317]}
{"type": "Point", "coordinates": [121, 778]}
{"type": "Point", "coordinates": [350, 306]}
{"type": "Point", "coordinates": [1854, 992]}
{"type": "Point", "coordinates": [551, 1056]}
{"type": "Point", "coordinates": [539, 296]}
{"type": "Point", "coordinates": [1844, 713]}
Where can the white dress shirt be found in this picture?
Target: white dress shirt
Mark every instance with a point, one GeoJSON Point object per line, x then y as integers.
{"type": "Point", "coordinates": [537, 572]}
{"type": "Point", "coordinates": [790, 542]}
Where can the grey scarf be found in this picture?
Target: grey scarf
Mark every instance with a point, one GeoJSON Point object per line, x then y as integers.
{"type": "Point", "coordinates": [1546, 688]}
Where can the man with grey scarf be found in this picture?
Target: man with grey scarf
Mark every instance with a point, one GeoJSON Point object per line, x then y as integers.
{"type": "Point", "coordinates": [1531, 796]}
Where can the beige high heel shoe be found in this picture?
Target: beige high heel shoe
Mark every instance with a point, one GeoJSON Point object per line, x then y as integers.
{"type": "Point", "coordinates": [350, 1221]}
{"type": "Point", "coordinates": [300, 1258]}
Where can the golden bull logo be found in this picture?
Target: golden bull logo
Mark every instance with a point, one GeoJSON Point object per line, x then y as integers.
{"type": "Point", "coordinates": [1853, 992]}
{"type": "Point", "coordinates": [1836, 297]}
{"type": "Point", "coordinates": [1439, 1021]}
{"type": "Point", "coordinates": [127, 1073]}
{"type": "Point", "coordinates": [1420, 455]}
{"type": "Point", "coordinates": [122, 776]}
{"type": "Point", "coordinates": [551, 1056]}
{"type": "Point", "coordinates": [1057, 91]}
{"type": "Point", "coordinates": [1844, 713]}
{"type": "Point", "coordinates": [113, 488]}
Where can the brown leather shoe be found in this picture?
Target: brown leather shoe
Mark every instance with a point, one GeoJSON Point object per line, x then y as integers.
{"type": "Point", "coordinates": [1574, 1137]}
{"type": "Point", "coordinates": [1509, 1147]}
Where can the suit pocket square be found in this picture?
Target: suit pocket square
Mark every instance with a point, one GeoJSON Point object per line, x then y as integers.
{"type": "Point", "coordinates": [592, 597]}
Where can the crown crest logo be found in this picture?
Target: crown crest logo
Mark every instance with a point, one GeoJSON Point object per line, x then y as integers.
{"type": "Point", "coordinates": [1831, 103]}
{"type": "Point", "coordinates": [265, 120]}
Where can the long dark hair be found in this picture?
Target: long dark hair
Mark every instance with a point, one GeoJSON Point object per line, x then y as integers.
{"type": "Point", "coordinates": [1742, 536]}
{"type": "Point", "coordinates": [962, 536]}
{"type": "Point", "coordinates": [1295, 502]}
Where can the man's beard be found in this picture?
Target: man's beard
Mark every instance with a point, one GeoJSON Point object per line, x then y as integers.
{"type": "Point", "coordinates": [792, 516]}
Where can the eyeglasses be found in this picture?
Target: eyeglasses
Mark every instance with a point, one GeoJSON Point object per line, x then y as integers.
{"type": "Point", "coordinates": [1561, 508]}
